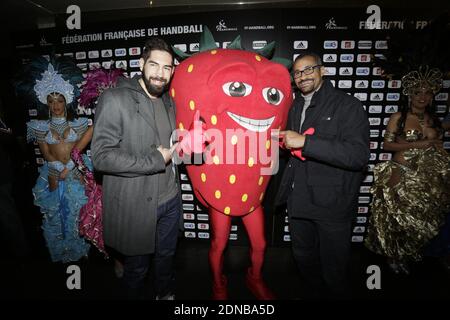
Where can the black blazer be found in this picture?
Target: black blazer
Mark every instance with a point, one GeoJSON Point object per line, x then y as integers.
{"type": "Point", "coordinates": [336, 155]}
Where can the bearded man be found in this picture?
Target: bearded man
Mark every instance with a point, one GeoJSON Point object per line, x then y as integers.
{"type": "Point", "coordinates": [131, 147]}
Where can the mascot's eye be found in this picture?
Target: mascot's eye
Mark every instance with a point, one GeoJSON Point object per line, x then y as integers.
{"type": "Point", "coordinates": [272, 95]}
{"type": "Point", "coordinates": [237, 89]}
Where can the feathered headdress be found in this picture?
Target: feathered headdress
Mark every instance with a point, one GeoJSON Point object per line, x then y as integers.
{"type": "Point", "coordinates": [42, 77]}
{"type": "Point", "coordinates": [419, 57]}
{"type": "Point", "coordinates": [96, 82]}
{"type": "Point", "coordinates": [425, 77]}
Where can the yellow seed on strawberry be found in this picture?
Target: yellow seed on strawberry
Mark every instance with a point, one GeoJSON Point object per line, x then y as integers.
{"type": "Point", "coordinates": [251, 162]}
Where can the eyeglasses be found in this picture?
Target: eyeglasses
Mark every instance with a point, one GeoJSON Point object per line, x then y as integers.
{"type": "Point", "coordinates": [307, 71]}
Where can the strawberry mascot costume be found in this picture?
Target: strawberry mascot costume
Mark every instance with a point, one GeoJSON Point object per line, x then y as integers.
{"type": "Point", "coordinates": [228, 103]}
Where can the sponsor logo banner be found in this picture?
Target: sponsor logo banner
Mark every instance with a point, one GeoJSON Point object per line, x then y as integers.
{"type": "Point", "coordinates": [347, 44]}
{"type": "Point", "coordinates": [120, 52]}
{"type": "Point", "coordinates": [364, 44]}
{"type": "Point", "coordinates": [330, 44]}
{"type": "Point", "coordinates": [329, 58]}
{"type": "Point", "coordinates": [301, 44]}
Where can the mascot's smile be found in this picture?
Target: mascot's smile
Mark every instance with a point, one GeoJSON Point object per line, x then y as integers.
{"type": "Point", "coordinates": [256, 125]}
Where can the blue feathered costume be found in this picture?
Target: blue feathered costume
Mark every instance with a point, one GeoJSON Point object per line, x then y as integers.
{"type": "Point", "coordinates": [60, 207]}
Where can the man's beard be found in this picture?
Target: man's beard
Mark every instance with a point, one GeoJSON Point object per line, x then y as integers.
{"type": "Point", "coordinates": [152, 89]}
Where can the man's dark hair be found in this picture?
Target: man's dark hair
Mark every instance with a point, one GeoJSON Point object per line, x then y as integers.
{"type": "Point", "coordinates": [313, 55]}
{"type": "Point", "coordinates": [155, 44]}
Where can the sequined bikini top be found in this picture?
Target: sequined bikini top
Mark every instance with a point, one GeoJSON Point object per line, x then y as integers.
{"type": "Point", "coordinates": [71, 137]}
{"type": "Point", "coordinates": [411, 135]}
{"type": "Point", "coordinates": [41, 130]}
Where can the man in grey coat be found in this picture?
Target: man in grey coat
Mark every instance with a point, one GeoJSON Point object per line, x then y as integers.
{"type": "Point", "coordinates": [131, 147]}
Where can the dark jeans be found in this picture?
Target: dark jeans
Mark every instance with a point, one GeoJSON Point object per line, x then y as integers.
{"type": "Point", "coordinates": [322, 252]}
{"type": "Point", "coordinates": [136, 267]}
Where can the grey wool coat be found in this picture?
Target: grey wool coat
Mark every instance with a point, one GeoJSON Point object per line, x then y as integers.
{"type": "Point", "coordinates": [124, 150]}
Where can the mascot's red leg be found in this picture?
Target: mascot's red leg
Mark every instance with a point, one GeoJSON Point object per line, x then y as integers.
{"type": "Point", "coordinates": [254, 223]}
{"type": "Point", "coordinates": [220, 225]}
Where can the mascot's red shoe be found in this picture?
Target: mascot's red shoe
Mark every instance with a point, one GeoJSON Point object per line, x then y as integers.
{"type": "Point", "coordinates": [220, 291]}
{"type": "Point", "coordinates": [258, 287]}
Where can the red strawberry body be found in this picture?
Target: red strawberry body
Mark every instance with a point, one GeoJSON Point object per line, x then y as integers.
{"type": "Point", "coordinates": [241, 97]}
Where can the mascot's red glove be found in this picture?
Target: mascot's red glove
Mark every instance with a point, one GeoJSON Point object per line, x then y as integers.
{"type": "Point", "coordinates": [298, 151]}
{"type": "Point", "coordinates": [194, 140]}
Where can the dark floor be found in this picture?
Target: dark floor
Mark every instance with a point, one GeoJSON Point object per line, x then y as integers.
{"type": "Point", "coordinates": [40, 279]}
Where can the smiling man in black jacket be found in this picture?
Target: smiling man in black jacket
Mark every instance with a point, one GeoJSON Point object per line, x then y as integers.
{"type": "Point", "coordinates": [322, 191]}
